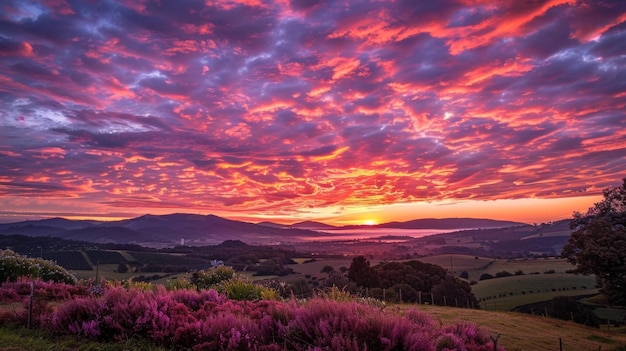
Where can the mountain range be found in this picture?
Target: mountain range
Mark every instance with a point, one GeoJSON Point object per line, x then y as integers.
{"type": "Point", "coordinates": [168, 230]}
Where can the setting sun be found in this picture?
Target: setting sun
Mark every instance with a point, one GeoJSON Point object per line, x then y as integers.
{"type": "Point", "coordinates": [370, 222]}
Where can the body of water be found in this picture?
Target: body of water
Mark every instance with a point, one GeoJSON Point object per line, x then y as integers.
{"type": "Point", "coordinates": [374, 233]}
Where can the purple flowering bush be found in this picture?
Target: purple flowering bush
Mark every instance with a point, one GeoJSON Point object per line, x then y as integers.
{"type": "Point", "coordinates": [208, 320]}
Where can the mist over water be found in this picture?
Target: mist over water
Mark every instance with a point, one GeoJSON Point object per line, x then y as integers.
{"type": "Point", "coordinates": [374, 233]}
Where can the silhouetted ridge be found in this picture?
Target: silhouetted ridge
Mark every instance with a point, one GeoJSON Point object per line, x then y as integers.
{"type": "Point", "coordinates": [232, 244]}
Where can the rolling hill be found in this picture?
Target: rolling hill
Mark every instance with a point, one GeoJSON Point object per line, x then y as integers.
{"type": "Point", "coordinates": [152, 230]}
{"type": "Point", "coordinates": [164, 230]}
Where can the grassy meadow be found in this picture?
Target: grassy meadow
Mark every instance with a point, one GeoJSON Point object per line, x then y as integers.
{"type": "Point", "coordinates": [520, 331]}
{"type": "Point", "coordinates": [501, 294]}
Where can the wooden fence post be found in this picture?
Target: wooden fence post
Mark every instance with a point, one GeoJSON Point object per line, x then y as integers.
{"type": "Point", "coordinates": [495, 341]}
{"type": "Point", "coordinates": [560, 344]}
{"type": "Point", "coordinates": [30, 304]}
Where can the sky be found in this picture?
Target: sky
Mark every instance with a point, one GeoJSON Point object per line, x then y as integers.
{"type": "Point", "coordinates": [344, 112]}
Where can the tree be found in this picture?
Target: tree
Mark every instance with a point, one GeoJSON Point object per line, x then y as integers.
{"type": "Point", "coordinates": [327, 269]}
{"type": "Point", "coordinates": [361, 273]}
{"type": "Point", "coordinates": [122, 268]}
{"type": "Point", "coordinates": [597, 244]}
{"type": "Point", "coordinates": [455, 291]}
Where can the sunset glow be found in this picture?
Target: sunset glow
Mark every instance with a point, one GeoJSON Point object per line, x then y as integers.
{"type": "Point", "coordinates": [370, 222]}
{"type": "Point", "coordinates": [345, 112]}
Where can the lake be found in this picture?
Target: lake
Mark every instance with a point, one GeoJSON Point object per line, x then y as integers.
{"type": "Point", "coordinates": [374, 233]}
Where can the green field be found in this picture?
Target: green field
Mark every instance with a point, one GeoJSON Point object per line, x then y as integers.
{"type": "Point", "coordinates": [500, 294]}
{"type": "Point", "coordinates": [316, 267]}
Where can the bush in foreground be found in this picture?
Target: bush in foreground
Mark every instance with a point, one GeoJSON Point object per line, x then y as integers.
{"type": "Point", "coordinates": [14, 266]}
{"type": "Point", "coordinates": [208, 320]}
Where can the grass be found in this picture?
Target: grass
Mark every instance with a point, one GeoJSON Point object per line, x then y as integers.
{"type": "Point", "coordinates": [21, 339]}
{"type": "Point", "coordinates": [509, 292]}
{"type": "Point", "coordinates": [459, 263]}
{"type": "Point", "coordinates": [316, 267]}
{"type": "Point", "coordinates": [526, 332]}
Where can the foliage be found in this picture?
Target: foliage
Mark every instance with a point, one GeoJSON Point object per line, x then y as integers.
{"type": "Point", "coordinates": [13, 266]}
{"type": "Point", "coordinates": [361, 273]}
{"type": "Point", "coordinates": [598, 243]}
{"type": "Point", "coordinates": [485, 276]}
{"type": "Point", "coordinates": [404, 281]}
{"type": "Point", "coordinates": [281, 288]}
{"type": "Point", "coordinates": [456, 292]}
{"type": "Point", "coordinates": [178, 284]}
{"type": "Point", "coordinates": [210, 278]}
{"type": "Point", "coordinates": [191, 319]}
{"type": "Point", "coordinates": [143, 286]}
{"type": "Point", "coordinates": [272, 266]}
{"type": "Point", "coordinates": [503, 274]}
{"type": "Point", "coordinates": [242, 289]}
{"type": "Point", "coordinates": [327, 269]}
{"type": "Point", "coordinates": [340, 280]}
{"type": "Point", "coordinates": [301, 288]}
{"type": "Point", "coordinates": [122, 268]}
{"type": "Point", "coordinates": [336, 294]}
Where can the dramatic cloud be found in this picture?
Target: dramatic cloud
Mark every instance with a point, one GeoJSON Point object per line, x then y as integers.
{"type": "Point", "coordinates": [304, 108]}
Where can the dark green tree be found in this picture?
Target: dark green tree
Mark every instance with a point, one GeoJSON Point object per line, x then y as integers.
{"type": "Point", "coordinates": [327, 269]}
{"type": "Point", "coordinates": [597, 244]}
{"type": "Point", "coordinates": [457, 292]}
{"type": "Point", "coordinates": [122, 268]}
{"type": "Point", "coordinates": [361, 273]}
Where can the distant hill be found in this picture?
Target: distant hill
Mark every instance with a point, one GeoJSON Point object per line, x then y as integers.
{"type": "Point", "coordinates": [53, 224]}
{"type": "Point", "coordinates": [313, 225]}
{"type": "Point", "coordinates": [105, 234]}
{"type": "Point", "coordinates": [444, 223]}
{"type": "Point", "coordinates": [163, 230]}
{"type": "Point", "coordinates": [512, 241]}
{"type": "Point", "coordinates": [153, 230]}
{"type": "Point", "coordinates": [272, 224]}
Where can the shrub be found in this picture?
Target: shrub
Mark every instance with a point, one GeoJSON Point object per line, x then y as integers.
{"type": "Point", "coordinates": [13, 266]}
{"type": "Point", "coordinates": [179, 284]}
{"type": "Point", "coordinates": [485, 276]}
{"type": "Point", "coordinates": [336, 294]}
{"type": "Point", "coordinates": [243, 289]}
{"type": "Point", "coordinates": [209, 278]}
{"type": "Point", "coordinates": [503, 274]}
{"type": "Point", "coordinates": [327, 269]}
{"type": "Point", "coordinates": [207, 320]}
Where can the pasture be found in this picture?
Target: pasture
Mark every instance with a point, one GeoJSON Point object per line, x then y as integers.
{"type": "Point", "coordinates": [520, 331]}
{"type": "Point", "coordinates": [500, 294]}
